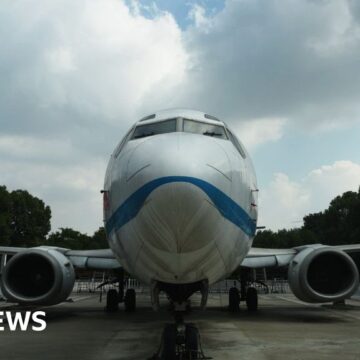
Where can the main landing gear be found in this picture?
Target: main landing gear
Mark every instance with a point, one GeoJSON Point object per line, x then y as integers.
{"type": "Point", "coordinates": [114, 297]}
{"type": "Point", "coordinates": [113, 300]}
{"type": "Point", "coordinates": [251, 299]}
{"type": "Point", "coordinates": [247, 293]}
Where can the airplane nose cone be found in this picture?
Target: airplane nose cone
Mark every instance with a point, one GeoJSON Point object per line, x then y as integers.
{"type": "Point", "coordinates": [178, 216]}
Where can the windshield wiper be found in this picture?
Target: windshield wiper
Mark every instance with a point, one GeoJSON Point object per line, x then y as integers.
{"type": "Point", "coordinates": [212, 133]}
{"type": "Point", "coordinates": [143, 135]}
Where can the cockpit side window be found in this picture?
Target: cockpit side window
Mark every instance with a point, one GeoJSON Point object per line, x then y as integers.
{"type": "Point", "coordinates": [122, 143]}
{"type": "Point", "coordinates": [198, 127]}
{"type": "Point", "coordinates": [156, 128]}
{"type": "Point", "coordinates": [236, 143]}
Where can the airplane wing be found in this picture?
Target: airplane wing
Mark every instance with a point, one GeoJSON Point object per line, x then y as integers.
{"type": "Point", "coordinates": [261, 257]}
{"type": "Point", "coordinates": [102, 259]}
{"type": "Point", "coordinates": [93, 259]}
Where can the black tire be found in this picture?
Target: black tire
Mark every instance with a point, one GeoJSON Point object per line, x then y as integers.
{"type": "Point", "coordinates": [112, 301]}
{"type": "Point", "coordinates": [234, 299]}
{"type": "Point", "coordinates": [130, 300]}
{"type": "Point", "coordinates": [251, 299]}
{"type": "Point", "coordinates": [192, 341]}
{"type": "Point", "coordinates": [169, 343]}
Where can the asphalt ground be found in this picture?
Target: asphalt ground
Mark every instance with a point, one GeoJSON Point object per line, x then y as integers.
{"type": "Point", "coordinates": [282, 328]}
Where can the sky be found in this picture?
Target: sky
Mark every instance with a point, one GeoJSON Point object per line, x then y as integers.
{"type": "Point", "coordinates": [285, 75]}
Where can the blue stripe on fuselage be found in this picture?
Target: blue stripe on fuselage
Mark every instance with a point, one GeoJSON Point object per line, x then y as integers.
{"type": "Point", "coordinates": [229, 209]}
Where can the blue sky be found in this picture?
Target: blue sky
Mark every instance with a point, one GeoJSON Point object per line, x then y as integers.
{"type": "Point", "coordinates": [308, 152]}
{"type": "Point", "coordinates": [180, 9]}
{"type": "Point", "coordinates": [284, 75]}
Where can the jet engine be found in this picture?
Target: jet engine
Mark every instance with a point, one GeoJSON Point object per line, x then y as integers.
{"type": "Point", "coordinates": [323, 274]}
{"type": "Point", "coordinates": [38, 276]}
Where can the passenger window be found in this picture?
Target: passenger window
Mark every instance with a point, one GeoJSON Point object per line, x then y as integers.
{"type": "Point", "coordinates": [157, 128]}
{"type": "Point", "coordinates": [197, 127]}
{"type": "Point", "coordinates": [236, 143]}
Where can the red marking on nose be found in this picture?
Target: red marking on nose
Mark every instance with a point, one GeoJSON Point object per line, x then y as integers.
{"type": "Point", "coordinates": [106, 201]}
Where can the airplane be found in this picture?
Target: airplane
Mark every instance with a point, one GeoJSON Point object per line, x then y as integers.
{"type": "Point", "coordinates": [180, 213]}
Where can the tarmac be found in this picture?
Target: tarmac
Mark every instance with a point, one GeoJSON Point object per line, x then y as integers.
{"type": "Point", "coordinates": [282, 328]}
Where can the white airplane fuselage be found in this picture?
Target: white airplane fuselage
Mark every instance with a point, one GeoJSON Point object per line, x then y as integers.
{"type": "Point", "coordinates": [180, 206]}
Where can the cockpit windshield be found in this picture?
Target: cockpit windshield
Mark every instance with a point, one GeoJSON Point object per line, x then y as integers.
{"type": "Point", "coordinates": [161, 127]}
{"type": "Point", "coordinates": [197, 127]}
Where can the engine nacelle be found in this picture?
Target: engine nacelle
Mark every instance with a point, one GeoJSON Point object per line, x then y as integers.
{"type": "Point", "coordinates": [323, 274]}
{"type": "Point", "coordinates": [38, 276]}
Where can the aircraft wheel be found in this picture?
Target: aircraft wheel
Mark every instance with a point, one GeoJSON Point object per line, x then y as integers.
{"type": "Point", "coordinates": [192, 341]}
{"type": "Point", "coordinates": [251, 299]}
{"type": "Point", "coordinates": [130, 300]}
{"type": "Point", "coordinates": [169, 343]}
{"type": "Point", "coordinates": [112, 300]}
{"type": "Point", "coordinates": [234, 299]}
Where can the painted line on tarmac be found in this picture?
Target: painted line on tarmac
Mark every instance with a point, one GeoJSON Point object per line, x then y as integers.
{"type": "Point", "coordinates": [74, 299]}
{"type": "Point", "coordinates": [6, 304]}
{"type": "Point", "coordinates": [336, 312]}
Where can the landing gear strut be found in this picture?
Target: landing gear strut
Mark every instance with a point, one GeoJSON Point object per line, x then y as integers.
{"type": "Point", "coordinates": [180, 341]}
{"type": "Point", "coordinates": [114, 297]}
{"type": "Point", "coordinates": [130, 300]}
{"type": "Point", "coordinates": [112, 301]}
{"type": "Point", "coordinates": [251, 299]}
{"type": "Point", "coordinates": [248, 294]}
{"type": "Point", "coordinates": [234, 299]}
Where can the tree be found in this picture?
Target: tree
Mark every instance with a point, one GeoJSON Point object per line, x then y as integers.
{"type": "Point", "coordinates": [339, 224]}
{"type": "Point", "coordinates": [69, 238]}
{"type": "Point", "coordinates": [72, 239]}
{"type": "Point", "coordinates": [99, 239]}
{"type": "Point", "coordinates": [5, 211]}
{"type": "Point", "coordinates": [24, 219]}
{"type": "Point", "coordinates": [284, 238]}
{"type": "Point", "coordinates": [29, 219]}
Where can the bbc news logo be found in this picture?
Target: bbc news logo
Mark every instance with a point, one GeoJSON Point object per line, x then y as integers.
{"type": "Point", "coordinates": [21, 320]}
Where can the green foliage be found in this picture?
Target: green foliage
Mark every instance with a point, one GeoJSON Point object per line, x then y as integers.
{"type": "Point", "coordinates": [284, 238]}
{"type": "Point", "coordinates": [99, 239]}
{"type": "Point", "coordinates": [72, 239]}
{"type": "Point", "coordinates": [339, 224]}
{"type": "Point", "coordinates": [5, 220]}
{"type": "Point", "coordinates": [24, 219]}
{"type": "Point", "coordinates": [68, 238]}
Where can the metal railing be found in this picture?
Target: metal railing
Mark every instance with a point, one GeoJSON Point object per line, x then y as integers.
{"type": "Point", "coordinates": [91, 285]}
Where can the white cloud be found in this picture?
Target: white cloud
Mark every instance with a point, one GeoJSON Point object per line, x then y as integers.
{"type": "Point", "coordinates": [76, 74]}
{"type": "Point", "coordinates": [30, 148]}
{"type": "Point", "coordinates": [259, 131]}
{"type": "Point", "coordinates": [296, 60]}
{"type": "Point", "coordinates": [284, 202]}
{"type": "Point", "coordinates": [96, 58]}
{"type": "Point", "coordinates": [71, 190]}
{"type": "Point", "coordinates": [198, 15]}
{"type": "Point", "coordinates": [60, 60]}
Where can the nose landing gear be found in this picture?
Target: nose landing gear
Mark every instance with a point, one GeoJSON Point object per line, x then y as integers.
{"type": "Point", "coordinates": [180, 341]}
